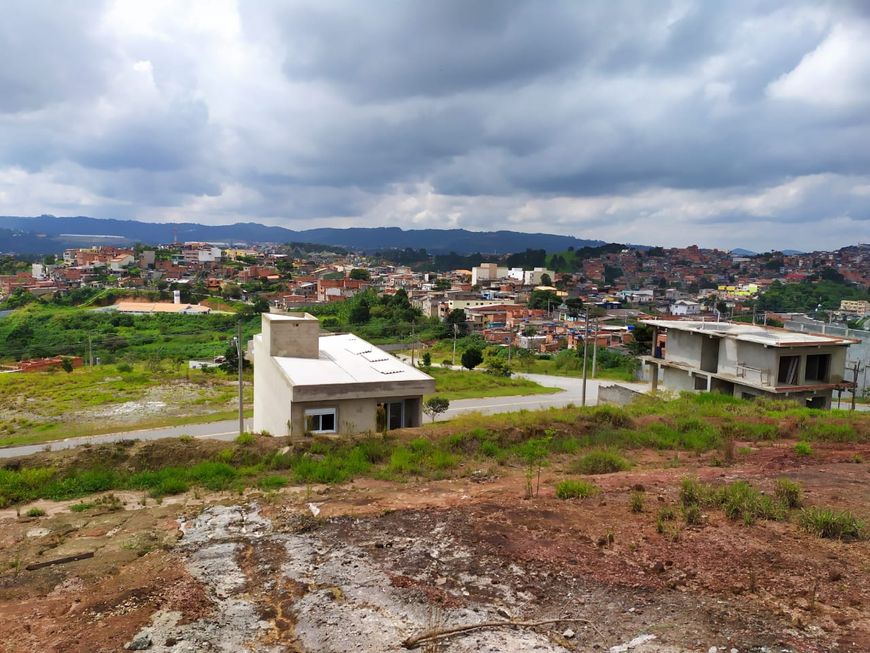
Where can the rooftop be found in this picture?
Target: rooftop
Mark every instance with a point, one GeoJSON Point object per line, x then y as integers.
{"type": "Point", "coordinates": [768, 336]}
{"type": "Point", "coordinates": [347, 359]}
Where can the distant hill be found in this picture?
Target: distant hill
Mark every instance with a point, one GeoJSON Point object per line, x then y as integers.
{"type": "Point", "coordinates": [46, 234]}
{"type": "Point", "coordinates": [739, 251]}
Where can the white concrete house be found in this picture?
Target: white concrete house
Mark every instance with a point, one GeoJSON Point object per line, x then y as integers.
{"type": "Point", "coordinates": [685, 307]}
{"type": "Point", "coordinates": [306, 383]}
{"type": "Point", "coordinates": [747, 360]}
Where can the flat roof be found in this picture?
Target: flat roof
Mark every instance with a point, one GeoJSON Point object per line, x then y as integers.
{"type": "Point", "coordinates": [346, 359]}
{"type": "Point", "coordinates": [762, 335]}
{"type": "Point", "coordinates": [159, 307]}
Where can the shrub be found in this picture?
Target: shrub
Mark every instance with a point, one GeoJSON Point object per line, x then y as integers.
{"type": "Point", "coordinates": [789, 493]}
{"type": "Point", "coordinates": [272, 482]}
{"type": "Point", "coordinates": [741, 500]}
{"type": "Point", "coordinates": [81, 507]}
{"type": "Point", "coordinates": [169, 486]}
{"type": "Point", "coordinates": [692, 515]}
{"type": "Point", "coordinates": [436, 405]}
{"type": "Point", "coordinates": [571, 489]}
{"type": "Point", "coordinates": [635, 502]}
{"type": "Point", "coordinates": [471, 358]}
{"type": "Point", "coordinates": [602, 461]}
{"type": "Point", "coordinates": [829, 432]}
{"type": "Point", "coordinates": [613, 416]}
{"type": "Point", "coordinates": [692, 493]}
{"type": "Point", "coordinates": [35, 512]}
{"type": "Point", "coordinates": [803, 449]}
{"type": "Point", "coordinates": [245, 439]}
{"type": "Point", "coordinates": [832, 524]}
{"type": "Point", "coordinates": [185, 438]}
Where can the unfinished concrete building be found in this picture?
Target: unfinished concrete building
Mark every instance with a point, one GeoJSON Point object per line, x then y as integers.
{"type": "Point", "coordinates": [746, 360]}
{"type": "Point", "coordinates": [306, 383]}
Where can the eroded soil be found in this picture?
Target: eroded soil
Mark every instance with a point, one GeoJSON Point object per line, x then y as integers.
{"type": "Point", "coordinates": [383, 562]}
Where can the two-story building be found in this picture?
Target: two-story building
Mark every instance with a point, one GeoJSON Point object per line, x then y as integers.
{"type": "Point", "coordinates": [746, 360]}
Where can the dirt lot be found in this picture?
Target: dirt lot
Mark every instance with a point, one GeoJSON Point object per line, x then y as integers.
{"type": "Point", "coordinates": [382, 562]}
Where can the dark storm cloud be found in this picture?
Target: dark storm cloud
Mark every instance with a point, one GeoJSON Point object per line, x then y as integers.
{"type": "Point", "coordinates": [558, 115]}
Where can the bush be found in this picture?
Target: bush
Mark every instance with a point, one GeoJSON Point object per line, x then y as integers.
{"type": "Point", "coordinates": [692, 493]}
{"type": "Point", "coordinates": [832, 524]}
{"type": "Point", "coordinates": [692, 515]}
{"type": "Point", "coordinates": [613, 416]}
{"type": "Point", "coordinates": [35, 512]}
{"type": "Point", "coordinates": [471, 358]}
{"type": "Point", "coordinates": [829, 432]}
{"type": "Point", "coordinates": [789, 493]}
{"type": "Point", "coordinates": [272, 482]}
{"type": "Point", "coordinates": [570, 489]}
{"type": "Point", "coordinates": [245, 439]}
{"type": "Point", "coordinates": [169, 486]}
{"type": "Point", "coordinates": [803, 449]}
{"type": "Point", "coordinates": [636, 502]}
{"type": "Point", "coordinates": [602, 461]}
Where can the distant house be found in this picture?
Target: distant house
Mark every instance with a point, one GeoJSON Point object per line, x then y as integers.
{"type": "Point", "coordinates": [685, 307]}
{"type": "Point", "coordinates": [307, 383]}
{"type": "Point", "coordinates": [746, 360]}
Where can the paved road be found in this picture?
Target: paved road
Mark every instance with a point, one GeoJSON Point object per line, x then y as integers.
{"type": "Point", "coordinates": [228, 429]}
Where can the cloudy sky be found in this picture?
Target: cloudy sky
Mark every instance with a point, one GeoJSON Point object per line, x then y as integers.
{"type": "Point", "coordinates": [719, 123]}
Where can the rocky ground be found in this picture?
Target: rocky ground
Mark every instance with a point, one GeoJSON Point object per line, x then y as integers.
{"type": "Point", "coordinates": [369, 565]}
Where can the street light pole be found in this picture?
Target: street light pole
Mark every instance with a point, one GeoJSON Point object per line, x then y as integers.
{"type": "Point", "coordinates": [595, 349]}
{"type": "Point", "coordinates": [585, 351]}
{"type": "Point", "coordinates": [455, 329]}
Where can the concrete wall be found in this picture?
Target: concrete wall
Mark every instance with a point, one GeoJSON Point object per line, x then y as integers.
{"type": "Point", "coordinates": [272, 393]}
{"type": "Point", "coordinates": [355, 415]}
{"type": "Point", "coordinates": [683, 347]}
{"type": "Point", "coordinates": [294, 335]}
{"type": "Point", "coordinates": [677, 380]}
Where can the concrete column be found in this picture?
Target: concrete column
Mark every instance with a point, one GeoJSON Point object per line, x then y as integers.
{"type": "Point", "coordinates": [654, 377]}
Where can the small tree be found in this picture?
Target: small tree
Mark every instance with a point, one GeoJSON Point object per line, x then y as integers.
{"type": "Point", "coordinates": [66, 364]}
{"type": "Point", "coordinates": [426, 361]}
{"type": "Point", "coordinates": [534, 452]}
{"type": "Point", "coordinates": [435, 405]}
{"type": "Point", "coordinates": [471, 358]}
{"type": "Point", "coordinates": [546, 280]}
{"type": "Point", "coordinates": [360, 274]}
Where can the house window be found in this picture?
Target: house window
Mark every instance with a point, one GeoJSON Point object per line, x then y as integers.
{"type": "Point", "coordinates": [320, 420]}
{"type": "Point", "coordinates": [788, 369]}
{"type": "Point", "coordinates": [817, 367]}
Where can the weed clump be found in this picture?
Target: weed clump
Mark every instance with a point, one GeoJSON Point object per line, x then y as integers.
{"type": "Point", "coordinates": [603, 461]}
{"type": "Point", "coordinates": [245, 439]}
{"type": "Point", "coordinates": [635, 502]}
{"type": "Point", "coordinates": [612, 416]}
{"type": "Point", "coordinates": [803, 449]}
{"type": "Point", "coordinates": [832, 524]}
{"type": "Point", "coordinates": [573, 489]}
{"type": "Point", "coordinates": [35, 512]}
{"type": "Point", "coordinates": [789, 493]}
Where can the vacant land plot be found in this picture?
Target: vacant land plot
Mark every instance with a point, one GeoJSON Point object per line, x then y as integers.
{"type": "Point", "coordinates": [567, 530]}
{"type": "Point", "coordinates": [456, 384]}
{"type": "Point", "coordinates": [44, 406]}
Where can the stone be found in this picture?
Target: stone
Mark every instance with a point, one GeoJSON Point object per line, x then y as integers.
{"type": "Point", "coordinates": [139, 643]}
{"type": "Point", "coordinates": [568, 634]}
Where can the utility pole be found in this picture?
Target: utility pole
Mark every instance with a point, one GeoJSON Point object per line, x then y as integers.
{"type": "Point", "coordinates": [855, 370]}
{"type": "Point", "coordinates": [585, 352]}
{"type": "Point", "coordinates": [412, 345]}
{"type": "Point", "coordinates": [455, 330]}
{"type": "Point", "coordinates": [238, 340]}
{"type": "Point", "coordinates": [91, 351]}
{"type": "Point", "coordinates": [595, 350]}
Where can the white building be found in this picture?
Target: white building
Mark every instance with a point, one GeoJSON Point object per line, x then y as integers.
{"type": "Point", "coordinates": [685, 307]}
{"type": "Point", "coordinates": [306, 383]}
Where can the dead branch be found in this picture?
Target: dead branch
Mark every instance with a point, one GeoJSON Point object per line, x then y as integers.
{"type": "Point", "coordinates": [414, 642]}
{"type": "Point", "coordinates": [59, 561]}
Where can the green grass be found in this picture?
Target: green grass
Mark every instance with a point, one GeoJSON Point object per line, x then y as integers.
{"type": "Point", "coordinates": [832, 524]}
{"type": "Point", "coordinates": [738, 500]}
{"type": "Point", "coordinates": [455, 384]}
{"type": "Point", "coordinates": [789, 493]}
{"type": "Point", "coordinates": [573, 489]}
{"type": "Point", "coordinates": [602, 461]}
{"type": "Point", "coordinates": [35, 512]}
{"type": "Point", "coordinates": [803, 449]}
{"type": "Point", "coordinates": [45, 406]}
